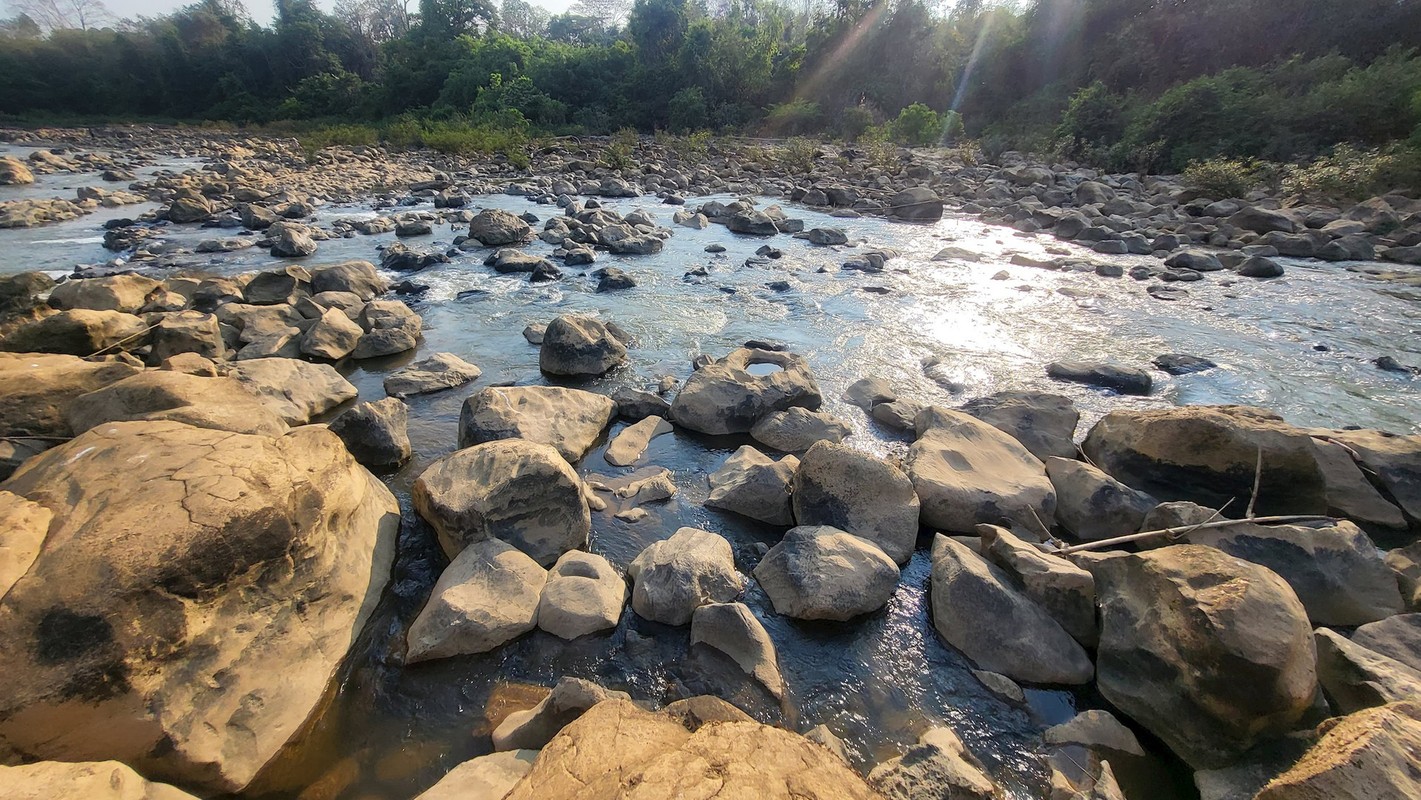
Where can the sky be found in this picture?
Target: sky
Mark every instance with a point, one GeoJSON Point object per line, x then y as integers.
{"type": "Point", "coordinates": [261, 10]}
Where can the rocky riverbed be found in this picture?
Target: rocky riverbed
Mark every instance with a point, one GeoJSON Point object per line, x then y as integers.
{"type": "Point", "coordinates": [323, 472]}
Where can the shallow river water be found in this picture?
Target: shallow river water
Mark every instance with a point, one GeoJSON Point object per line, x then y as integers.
{"type": "Point", "coordinates": [1300, 345]}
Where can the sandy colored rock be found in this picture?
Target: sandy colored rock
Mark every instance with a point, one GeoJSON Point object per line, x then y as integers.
{"type": "Point", "coordinates": [162, 395]}
{"type": "Point", "coordinates": [23, 528]}
{"type": "Point", "coordinates": [1044, 423]}
{"type": "Point", "coordinates": [534, 728]}
{"type": "Point", "coordinates": [79, 332]}
{"type": "Point", "coordinates": [795, 430]}
{"type": "Point", "coordinates": [569, 420]}
{"type": "Point", "coordinates": [1062, 589]}
{"type": "Point", "coordinates": [824, 573]}
{"type": "Point", "coordinates": [439, 371]}
{"type": "Point", "coordinates": [583, 595]}
{"type": "Point", "coordinates": [489, 777]}
{"type": "Point", "coordinates": [297, 391]}
{"type": "Point", "coordinates": [1363, 756]}
{"type": "Point", "coordinates": [733, 629]}
{"type": "Point", "coordinates": [858, 493]}
{"type": "Point", "coordinates": [126, 293]}
{"type": "Point", "coordinates": [938, 766]}
{"type": "Point", "coordinates": [89, 780]}
{"type": "Point", "coordinates": [580, 346]}
{"type": "Point", "coordinates": [724, 397]}
{"type": "Point", "coordinates": [37, 389]}
{"type": "Point", "coordinates": [628, 446]}
{"type": "Point", "coordinates": [673, 577]}
{"type": "Point", "coordinates": [752, 484]}
{"type": "Point", "coordinates": [1354, 677]}
{"type": "Point", "coordinates": [1093, 505]}
{"type": "Point", "coordinates": [488, 595]}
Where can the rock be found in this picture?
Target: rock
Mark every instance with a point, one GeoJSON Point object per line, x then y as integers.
{"type": "Point", "coordinates": [190, 364]}
{"type": "Point", "coordinates": [725, 396]}
{"type": "Point", "coordinates": [580, 347]}
{"type": "Point", "coordinates": [1259, 267]}
{"type": "Point", "coordinates": [1060, 588]}
{"type": "Point", "coordinates": [187, 332]}
{"type": "Point", "coordinates": [1181, 364]}
{"type": "Point", "coordinates": [754, 485]}
{"type": "Point", "coordinates": [915, 205]}
{"type": "Point", "coordinates": [1093, 505]}
{"type": "Point", "coordinates": [489, 777]}
{"type": "Point", "coordinates": [13, 172]}
{"type": "Point", "coordinates": [696, 712]}
{"type": "Point", "coordinates": [569, 420]}
{"type": "Point", "coordinates": [635, 404]}
{"type": "Point", "coordinates": [797, 429]}
{"type": "Point", "coordinates": [824, 573]}
{"type": "Point", "coordinates": [1369, 754]}
{"type": "Point", "coordinates": [1043, 423]}
{"type": "Point", "coordinates": [236, 552]}
{"type": "Point", "coordinates": [733, 629]}
{"type": "Point", "coordinates": [487, 596]}
{"type": "Point", "coordinates": [629, 445]}
{"type": "Point", "coordinates": [938, 767]}
{"type": "Point", "coordinates": [974, 601]}
{"type": "Point", "coordinates": [436, 373]}
{"type": "Point", "coordinates": [79, 332]}
{"type": "Point", "coordinates": [332, 337]}
{"type": "Point", "coordinates": [91, 780]}
{"type": "Point", "coordinates": [752, 223]}
{"type": "Point", "coordinates": [290, 241]}
{"type": "Point", "coordinates": [675, 576]}
{"type": "Point", "coordinates": [22, 536]}
{"type": "Point", "coordinates": [518, 491]}
{"type": "Point", "coordinates": [534, 728]}
{"type": "Point", "coordinates": [967, 472]}
{"type": "Point", "coordinates": [822, 736]}
{"type": "Point", "coordinates": [1395, 461]}
{"type": "Point", "coordinates": [611, 279]}
{"type": "Point", "coordinates": [390, 327]}
{"type": "Point", "coordinates": [648, 488]}
{"type": "Point", "coordinates": [297, 391]}
{"type": "Point", "coordinates": [1397, 637]}
{"type": "Point", "coordinates": [376, 433]}
{"type": "Point", "coordinates": [1354, 678]}
{"type": "Point", "coordinates": [583, 595]}
{"type": "Point", "coordinates": [36, 390]}
{"type": "Point", "coordinates": [357, 277]}
{"type": "Point", "coordinates": [496, 228]}
{"type": "Point", "coordinates": [189, 209]}
{"type": "Point", "coordinates": [278, 287]}
{"type": "Point", "coordinates": [616, 750]}
{"type": "Point", "coordinates": [826, 236]}
{"type": "Point", "coordinates": [1197, 260]}
{"type": "Point", "coordinates": [1095, 730]}
{"type": "Point", "coordinates": [1208, 652]}
{"type": "Point", "coordinates": [220, 404]}
{"type": "Point", "coordinates": [126, 293]}
{"type": "Point", "coordinates": [860, 494]}
{"type": "Point", "coordinates": [1125, 380]}
{"type": "Point", "coordinates": [869, 392]}
{"type": "Point", "coordinates": [1405, 563]}
{"type": "Point", "coordinates": [1159, 452]}
{"type": "Point", "coordinates": [20, 292]}
{"type": "Point", "coordinates": [1261, 220]}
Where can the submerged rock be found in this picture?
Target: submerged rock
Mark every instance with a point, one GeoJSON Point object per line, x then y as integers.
{"type": "Point", "coordinates": [1125, 380]}
{"type": "Point", "coordinates": [534, 728]}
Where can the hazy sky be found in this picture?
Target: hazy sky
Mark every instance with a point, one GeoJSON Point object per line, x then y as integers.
{"type": "Point", "coordinates": [261, 10]}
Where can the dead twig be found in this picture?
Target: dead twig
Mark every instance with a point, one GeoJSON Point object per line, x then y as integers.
{"type": "Point", "coordinates": [1185, 529]}
{"type": "Point", "coordinates": [1257, 481]}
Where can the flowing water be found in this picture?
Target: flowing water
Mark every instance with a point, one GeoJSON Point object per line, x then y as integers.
{"type": "Point", "coordinates": [1300, 345]}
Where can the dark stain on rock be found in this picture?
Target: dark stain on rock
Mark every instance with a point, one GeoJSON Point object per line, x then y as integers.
{"type": "Point", "coordinates": [63, 635]}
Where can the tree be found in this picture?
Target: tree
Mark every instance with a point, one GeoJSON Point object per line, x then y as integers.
{"type": "Point", "coordinates": [59, 15]}
{"type": "Point", "coordinates": [521, 19]}
{"type": "Point", "coordinates": [20, 26]}
{"type": "Point", "coordinates": [449, 18]}
{"type": "Point", "coordinates": [376, 21]}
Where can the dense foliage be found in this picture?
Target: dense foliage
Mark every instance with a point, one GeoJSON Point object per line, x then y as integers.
{"type": "Point", "coordinates": [1127, 84]}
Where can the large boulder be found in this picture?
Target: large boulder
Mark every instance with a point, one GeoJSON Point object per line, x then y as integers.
{"type": "Point", "coordinates": [331, 337]}
{"type": "Point", "coordinates": [1210, 455]}
{"type": "Point", "coordinates": [357, 277]}
{"type": "Point", "coordinates": [978, 610]}
{"type": "Point", "coordinates": [438, 372]}
{"type": "Point", "coordinates": [583, 595]}
{"type": "Point", "coordinates": [36, 390]}
{"type": "Point", "coordinates": [1062, 589]}
{"type": "Point", "coordinates": [1396, 463]}
{"type": "Point", "coordinates": [297, 391]}
{"type": "Point", "coordinates": [1363, 756]}
{"type": "Point", "coordinates": [967, 472]}
{"type": "Point", "coordinates": [390, 327]}
{"type": "Point", "coordinates": [161, 395]}
{"type": "Point", "coordinates": [90, 780]}
{"type": "Point", "coordinates": [1354, 677]}
{"type": "Point", "coordinates": [825, 573]}
{"type": "Point", "coordinates": [795, 430]}
{"type": "Point", "coordinates": [675, 576]}
{"type": "Point", "coordinates": [1209, 652]}
{"type": "Point", "coordinates": [1044, 423]}
{"type": "Point", "coordinates": [534, 728]}
{"type": "Point", "coordinates": [495, 228]}
{"type": "Point", "coordinates": [376, 433]}
{"type": "Point", "coordinates": [569, 420]}
{"type": "Point", "coordinates": [754, 485]}
{"type": "Point", "coordinates": [181, 565]}
{"type": "Point", "coordinates": [79, 332]}
{"type": "Point", "coordinates": [616, 751]}
{"type": "Point", "coordinates": [13, 172]}
{"type": "Point", "coordinates": [1397, 637]}
{"type": "Point", "coordinates": [126, 293]}
{"type": "Point", "coordinates": [1093, 505]}
{"type": "Point", "coordinates": [1350, 493]}
{"type": "Point", "coordinates": [580, 347]}
{"type": "Point", "coordinates": [1334, 569]}
{"type": "Point", "coordinates": [489, 777]}
{"type": "Point", "coordinates": [187, 332]}
{"type": "Point", "coordinates": [938, 767]}
{"type": "Point", "coordinates": [734, 393]}
{"type": "Point", "coordinates": [733, 629]}
{"type": "Point", "coordinates": [917, 204]}
{"type": "Point", "coordinates": [488, 595]}
{"type": "Point", "coordinates": [858, 493]}
{"type": "Point", "coordinates": [519, 491]}
{"type": "Point", "coordinates": [1262, 220]}
{"type": "Point", "coordinates": [278, 287]}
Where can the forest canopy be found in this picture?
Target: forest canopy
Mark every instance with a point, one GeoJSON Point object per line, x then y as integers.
{"type": "Point", "coordinates": [1130, 84]}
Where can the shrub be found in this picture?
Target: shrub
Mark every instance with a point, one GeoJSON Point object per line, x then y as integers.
{"type": "Point", "coordinates": [1348, 173]}
{"type": "Point", "coordinates": [953, 128]}
{"type": "Point", "coordinates": [336, 135]}
{"type": "Point", "coordinates": [854, 121]}
{"type": "Point", "coordinates": [1094, 119]}
{"type": "Point", "coordinates": [1222, 178]}
{"type": "Point", "coordinates": [798, 154]}
{"type": "Point", "coordinates": [794, 118]}
{"type": "Point", "coordinates": [620, 148]}
{"type": "Point", "coordinates": [687, 110]}
{"type": "Point", "coordinates": [918, 125]}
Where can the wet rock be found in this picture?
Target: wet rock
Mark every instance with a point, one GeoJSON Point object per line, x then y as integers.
{"type": "Point", "coordinates": [220, 404]}
{"type": "Point", "coordinates": [826, 236]}
{"type": "Point", "coordinates": [126, 293]}
{"type": "Point", "coordinates": [1353, 677]}
{"type": "Point", "coordinates": [1043, 423]}
{"type": "Point", "coordinates": [519, 491]}
{"type": "Point", "coordinates": [1208, 652]}
{"type": "Point", "coordinates": [1096, 730]}
{"type": "Point", "coordinates": [20, 292]}
{"type": "Point", "coordinates": [496, 228]}
{"type": "Point", "coordinates": [1159, 452]}
{"type": "Point", "coordinates": [616, 749]}
{"type": "Point", "coordinates": [297, 391]}
{"type": "Point", "coordinates": [291, 241]}
{"type": "Point", "coordinates": [1181, 364]}
{"type": "Point", "coordinates": [696, 712]}
{"type": "Point", "coordinates": [825, 573]}
{"type": "Point", "coordinates": [733, 629]}
{"type": "Point", "coordinates": [629, 445]}
{"type": "Point", "coordinates": [754, 485]}
{"type": "Point", "coordinates": [580, 347]}
{"type": "Point", "coordinates": [1060, 588]}
{"type": "Point", "coordinates": [752, 223]}
{"type": "Point", "coordinates": [376, 433]}
{"type": "Point", "coordinates": [1397, 637]}
{"type": "Point", "coordinates": [332, 337]}
{"type": "Point", "coordinates": [725, 396]}
{"type": "Point", "coordinates": [938, 766]}
{"type": "Point", "coordinates": [1395, 463]}
{"type": "Point", "coordinates": [974, 601]}
{"type": "Point", "coordinates": [91, 780]}
{"type": "Point", "coordinates": [486, 597]}
{"type": "Point", "coordinates": [611, 279]}
{"type": "Point", "coordinates": [675, 576]}
{"type": "Point", "coordinates": [79, 332]}
{"type": "Point", "coordinates": [390, 327]}
{"type": "Point", "coordinates": [399, 257]}
{"type": "Point", "coordinates": [1196, 260]}
{"type": "Point", "coordinates": [648, 486]}
{"type": "Point", "coordinates": [237, 552]}
{"type": "Point", "coordinates": [36, 390]}
{"type": "Point", "coordinates": [860, 494]}
{"type": "Point", "coordinates": [535, 332]}
{"type": "Point", "coordinates": [570, 420]}
{"type": "Point", "coordinates": [1093, 505]}
{"type": "Point", "coordinates": [900, 415]}
{"type": "Point", "coordinates": [357, 277]}
{"type": "Point", "coordinates": [636, 404]}
{"type": "Point", "coordinates": [797, 429]}
{"type": "Point", "coordinates": [915, 205]}
{"type": "Point", "coordinates": [583, 595]}
{"type": "Point", "coordinates": [436, 373]}
{"type": "Point", "coordinates": [412, 227]}
{"type": "Point", "coordinates": [1259, 267]}
{"type": "Point", "coordinates": [1369, 754]}
{"type": "Point", "coordinates": [869, 392]}
{"type": "Point", "coordinates": [534, 728]}
{"type": "Point", "coordinates": [492, 776]}
{"type": "Point", "coordinates": [1125, 380]}
{"type": "Point", "coordinates": [967, 472]}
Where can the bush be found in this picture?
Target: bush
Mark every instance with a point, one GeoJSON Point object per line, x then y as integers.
{"type": "Point", "coordinates": [854, 121]}
{"type": "Point", "coordinates": [336, 135]}
{"type": "Point", "coordinates": [687, 110]}
{"type": "Point", "coordinates": [620, 148]}
{"type": "Point", "coordinates": [953, 128]}
{"type": "Point", "coordinates": [798, 155]}
{"type": "Point", "coordinates": [918, 125]}
{"type": "Point", "coordinates": [1094, 119]}
{"type": "Point", "coordinates": [1223, 178]}
{"type": "Point", "coordinates": [1352, 174]}
{"type": "Point", "coordinates": [795, 118]}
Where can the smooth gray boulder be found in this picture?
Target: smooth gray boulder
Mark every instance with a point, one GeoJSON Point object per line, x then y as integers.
{"type": "Point", "coordinates": [487, 596]}
{"type": "Point", "coordinates": [754, 485]}
{"type": "Point", "coordinates": [569, 420]}
{"type": "Point", "coordinates": [733, 629]}
{"type": "Point", "coordinates": [675, 576]}
{"type": "Point", "coordinates": [734, 393]}
{"type": "Point", "coordinates": [297, 391]}
{"type": "Point", "coordinates": [1397, 637]}
{"type": "Point", "coordinates": [857, 493]}
{"type": "Point", "coordinates": [1353, 677]}
{"type": "Point", "coordinates": [377, 433]}
{"type": "Point", "coordinates": [1093, 505]}
{"type": "Point", "coordinates": [580, 347]}
{"type": "Point", "coordinates": [824, 573]}
{"type": "Point", "coordinates": [1062, 589]}
{"type": "Point", "coordinates": [439, 371]}
{"type": "Point", "coordinates": [583, 595]}
{"type": "Point", "coordinates": [795, 430]}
